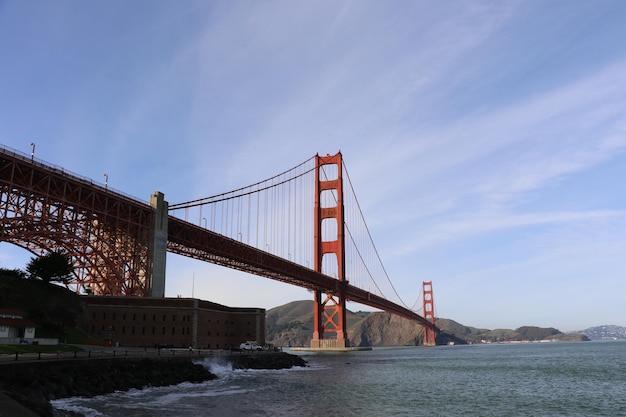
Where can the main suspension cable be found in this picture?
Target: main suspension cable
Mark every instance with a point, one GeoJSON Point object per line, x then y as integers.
{"type": "Point", "coordinates": [233, 194]}
{"type": "Point", "coordinates": [371, 240]}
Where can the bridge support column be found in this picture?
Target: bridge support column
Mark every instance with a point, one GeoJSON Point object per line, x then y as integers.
{"type": "Point", "coordinates": [429, 313]}
{"type": "Point", "coordinates": [330, 307]}
{"type": "Point", "coordinates": [158, 246]}
{"type": "Point", "coordinates": [329, 316]}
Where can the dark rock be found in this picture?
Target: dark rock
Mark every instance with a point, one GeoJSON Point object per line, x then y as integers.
{"type": "Point", "coordinates": [34, 384]}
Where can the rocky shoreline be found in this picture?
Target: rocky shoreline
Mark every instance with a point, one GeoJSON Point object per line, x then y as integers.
{"type": "Point", "coordinates": [35, 384]}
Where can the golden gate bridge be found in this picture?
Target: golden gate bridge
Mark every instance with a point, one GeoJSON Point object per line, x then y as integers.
{"type": "Point", "coordinates": [303, 226]}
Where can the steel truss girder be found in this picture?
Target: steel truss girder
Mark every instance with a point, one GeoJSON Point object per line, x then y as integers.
{"type": "Point", "coordinates": [106, 234]}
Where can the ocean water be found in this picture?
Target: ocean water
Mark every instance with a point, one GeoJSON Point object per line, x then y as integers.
{"type": "Point", "coordinates": [532, 379]}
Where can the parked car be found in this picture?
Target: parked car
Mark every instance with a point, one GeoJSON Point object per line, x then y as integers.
{"type": "Point", "coordinates": [250, 346]}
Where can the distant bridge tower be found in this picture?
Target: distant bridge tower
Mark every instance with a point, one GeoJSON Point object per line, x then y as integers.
{"type": "Point", "coordinates": [429, 313]}
{"type": "Point", "coordinates": [330, 307]}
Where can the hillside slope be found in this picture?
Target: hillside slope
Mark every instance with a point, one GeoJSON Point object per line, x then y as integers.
{"type": "Point", "coordinates": [57, 311]}
{"type": "Point", "coordinates": [292, 325]}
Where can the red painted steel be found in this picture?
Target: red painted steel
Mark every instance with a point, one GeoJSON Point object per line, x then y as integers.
{"type": "Point", "coordinates": [108, 236]}
{"type": "Point", "coordinates": [330, 310]}
{"type": "Point", "coordinates": [429, 313]}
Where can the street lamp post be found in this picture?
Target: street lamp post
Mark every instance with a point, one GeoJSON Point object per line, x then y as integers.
{"type": "Point", "coordinates": [106, 182]}
{"type": "Point", "coordinates": [32, 152]}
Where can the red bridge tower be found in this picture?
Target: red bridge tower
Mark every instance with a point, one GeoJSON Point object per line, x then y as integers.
{"type": "Point", "coordinates": [429, 313]}
{"type": "Point", "coordinates": [330, 307]}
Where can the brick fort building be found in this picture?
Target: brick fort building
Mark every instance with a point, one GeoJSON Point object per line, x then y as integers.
{"type": "Point", "coordinates": [176, 322]}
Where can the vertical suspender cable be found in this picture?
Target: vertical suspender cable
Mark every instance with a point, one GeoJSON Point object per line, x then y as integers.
{"type": "Point", "coordinates": [258, 203]}
{"type": "Point", "coordinates": [263, 240]}
{"type": "Point", "coordinates": [249, 214]}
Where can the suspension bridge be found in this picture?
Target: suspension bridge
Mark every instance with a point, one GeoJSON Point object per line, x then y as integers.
{"type": "Point", "coordinates": [303, 227]}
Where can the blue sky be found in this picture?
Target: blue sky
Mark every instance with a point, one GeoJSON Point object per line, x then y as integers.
{"type": "Point", "coordinates": [486, 140]}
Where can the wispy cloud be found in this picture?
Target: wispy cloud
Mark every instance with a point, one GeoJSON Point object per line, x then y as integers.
{"type": "Point", "coordinates": [495, 159]}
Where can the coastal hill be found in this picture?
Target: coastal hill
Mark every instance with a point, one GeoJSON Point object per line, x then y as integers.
{"type": "Point", "coordinates": [607, 332]}
{"type": "Point", "coordinates": [292, 325]}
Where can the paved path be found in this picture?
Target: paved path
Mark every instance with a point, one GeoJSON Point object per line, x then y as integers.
{"type": "Point", "coordinates": [95, 352]}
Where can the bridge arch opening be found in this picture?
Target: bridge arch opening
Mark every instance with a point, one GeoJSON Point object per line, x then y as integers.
{"type": "Point", "coordinates": [14, 256]}
{"type": "Point", "coordinates": [330, 230]}
{"type": "Point", "coordinates": [329, 172]}
{"type": "Point", "coordinates": [328, 198]}
{"type": "Point", "coordinates": [22, 247]}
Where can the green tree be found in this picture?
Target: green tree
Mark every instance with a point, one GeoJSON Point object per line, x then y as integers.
{"type": "Point", "coordinates": [17, 273]}
{"type": "Point", "coordinates": [54, 266]}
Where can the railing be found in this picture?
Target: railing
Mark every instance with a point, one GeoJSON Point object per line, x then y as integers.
{"type": "Point", "coordinates": [68, 174]}
{"type": "Point", "coordinates": [121, 353]}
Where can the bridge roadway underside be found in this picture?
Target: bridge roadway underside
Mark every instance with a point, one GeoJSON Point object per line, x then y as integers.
{"type": "Point", "coordinates": [193, 241]}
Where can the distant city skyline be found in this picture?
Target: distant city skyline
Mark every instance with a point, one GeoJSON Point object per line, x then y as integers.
{"type": "Point", "coordinates": [486, 141]}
